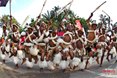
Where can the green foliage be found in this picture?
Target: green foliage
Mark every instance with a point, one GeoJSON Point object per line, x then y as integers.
{"type": "Point", "coordinates": [56, 16]}
{"type": "Point", "coordinates": [6, 20]}
{"type": "Point", "coordinates": [32, 22]}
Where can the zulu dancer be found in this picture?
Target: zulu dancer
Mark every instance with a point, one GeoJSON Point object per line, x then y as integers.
{"type": "Point", "coordinates": [91, 38]}
{"type": "Point", "coordinates": [30, 49]}
{"type": "Point", "coordinates": [3, 42]}
{"type": "Point", "coordinates": [102, 45]}
{"type": "Point", "coordinates": [5, 32]}
{"type": "Point", "coordinates": [65, 43]}
{"type": "Point", "coordinates": [15, 35]}
{"type": "Point", "coordinates": [80, 50]}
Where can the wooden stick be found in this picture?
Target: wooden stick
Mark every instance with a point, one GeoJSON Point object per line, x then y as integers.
{"type": "Point", "coordinates": [22, 25]}
{"type": "Point", "coordinates": [99, 6]}
{"type": "Point", "coordinates": [94, 11]}
{"type": "Point", "coordinates": [64, 7]}
{"type": "Point", "coordinates": [105, 13]}
{"type": "Point", "coordinates": [40, 12]}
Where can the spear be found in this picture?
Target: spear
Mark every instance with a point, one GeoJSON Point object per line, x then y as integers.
{"type": "Point", "coordinates": [40, 12]}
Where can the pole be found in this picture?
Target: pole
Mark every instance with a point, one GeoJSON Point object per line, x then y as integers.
{"type": "Point", "coordinates": [10, 12]}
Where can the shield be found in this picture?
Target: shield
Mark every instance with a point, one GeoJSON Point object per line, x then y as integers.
{"type": "Point", "coordinates": [3, 3]}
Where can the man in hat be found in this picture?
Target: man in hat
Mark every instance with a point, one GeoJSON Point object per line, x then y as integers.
{"type": "Point", "coordinates": [15, 35]}
{"type": "Point", "coordinates": [30, 45]}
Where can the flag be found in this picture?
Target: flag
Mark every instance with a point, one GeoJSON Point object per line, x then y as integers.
{"type": "Point", "coordinates": [3, 3]}
{"type": "Point", "coordinates": [78, 24]}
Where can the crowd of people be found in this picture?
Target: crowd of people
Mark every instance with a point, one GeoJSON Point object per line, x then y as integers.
{"type": "Point", "coordinates": [64, 48]}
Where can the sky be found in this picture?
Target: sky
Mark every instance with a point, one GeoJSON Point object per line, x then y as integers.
{"type": "Point", "coordinates": [23, 8]}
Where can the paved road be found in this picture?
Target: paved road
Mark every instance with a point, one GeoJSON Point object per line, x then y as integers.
{"type": "Point", "coordinates": [108, 70]}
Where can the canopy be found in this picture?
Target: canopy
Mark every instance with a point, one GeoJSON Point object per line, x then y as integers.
{"type": "Point", "coordinates": [3, 3]}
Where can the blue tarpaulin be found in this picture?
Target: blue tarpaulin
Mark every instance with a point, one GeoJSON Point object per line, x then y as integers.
{"type": "Point", "coordinates": [3, 3]}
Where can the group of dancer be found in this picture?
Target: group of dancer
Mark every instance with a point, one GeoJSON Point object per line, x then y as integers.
{"type": "Point", "coordinates": [41, 45]}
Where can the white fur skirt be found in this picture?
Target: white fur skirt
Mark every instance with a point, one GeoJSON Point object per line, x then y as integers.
{"type": "Point", "coordinates": [15, 59]}
{"type": "Point", "coordinates": [3, 56]}
{"type": "Point", "coordinates": [34, 51]}
{"type": "Point", "coordinates": [28, 63]}
{"type": "Point", "coordinates": [82, 65]}
{"type": "Point", "coordinates": [43, 64]}
{"type": "Point", "coordinates": [50, 65]}
{"type": "Point", "coordinates": [20, 54]}
{"type": "Point", "coordinates": [63, 64]}
{"type": "Point", "coordinates": [57, 58]}
{"type": "Point", "coordinates": [75, 61]}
